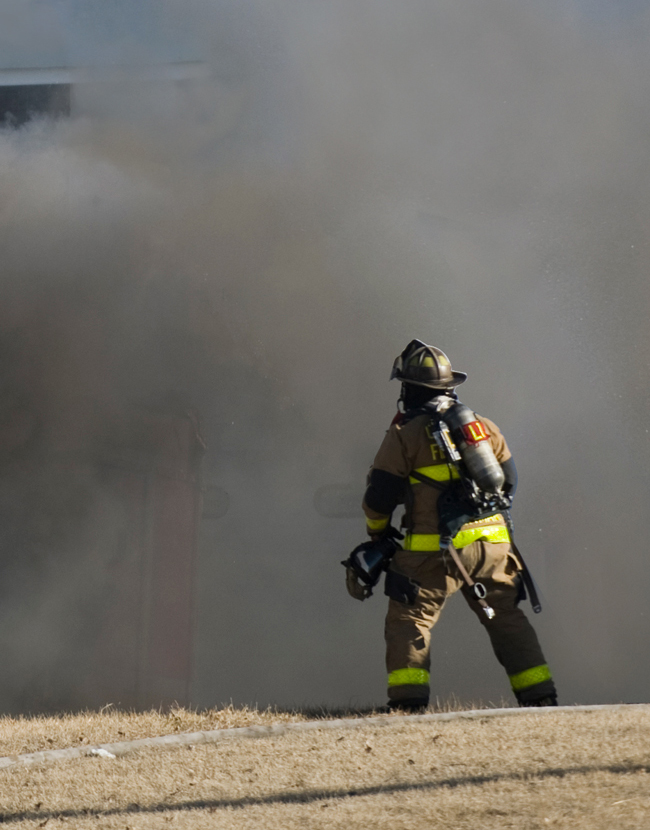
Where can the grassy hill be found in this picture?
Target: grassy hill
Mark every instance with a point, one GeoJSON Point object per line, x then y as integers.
{"type": "Point", "coordinates": [573, 770]}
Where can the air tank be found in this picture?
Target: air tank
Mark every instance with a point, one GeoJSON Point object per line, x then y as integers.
{"type": "Point", "coordinates": [472, 442]}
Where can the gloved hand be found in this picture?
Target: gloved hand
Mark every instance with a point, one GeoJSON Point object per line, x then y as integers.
{"type": "Point", "coordinates": [362, 573]}
{"type": "Point", "coordinates": [356, 589]}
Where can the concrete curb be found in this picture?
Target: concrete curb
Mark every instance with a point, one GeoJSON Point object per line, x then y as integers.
{"type": "Point", "coordinates": [214, 736]}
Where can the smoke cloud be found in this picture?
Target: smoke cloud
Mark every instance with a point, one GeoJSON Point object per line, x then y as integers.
{"type": "Point", "coordinates": [259, 244]}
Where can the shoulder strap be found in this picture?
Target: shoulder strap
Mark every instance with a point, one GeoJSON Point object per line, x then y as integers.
{"type": "Point", "coordinates": [431, 410]}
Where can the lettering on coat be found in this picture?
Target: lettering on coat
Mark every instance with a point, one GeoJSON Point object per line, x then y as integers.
{"type": "Point", "coordinates": [438, 455]}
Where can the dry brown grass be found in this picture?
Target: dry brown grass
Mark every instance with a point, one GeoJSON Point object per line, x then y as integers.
{"type": "Point", "coordinates": [34, 734]}
{"type": "Point", "coordinates": [20, 735]}
{"type": "Point", "coordinates": [563, 770]}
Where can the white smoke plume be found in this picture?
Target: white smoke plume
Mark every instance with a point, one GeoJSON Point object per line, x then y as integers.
{"type": "Point", "coordinates": [263, 242]}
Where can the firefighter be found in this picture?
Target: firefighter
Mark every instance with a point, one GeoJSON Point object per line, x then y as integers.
{"type": "Point", "coordinates": [406, 462]}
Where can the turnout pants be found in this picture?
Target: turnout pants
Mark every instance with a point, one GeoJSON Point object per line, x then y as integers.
{"type": "Point", "coordinates": [513, 639]}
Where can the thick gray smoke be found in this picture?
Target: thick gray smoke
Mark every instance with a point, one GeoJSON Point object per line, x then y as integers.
{"type": "Point", "coordinates": [262, 243]}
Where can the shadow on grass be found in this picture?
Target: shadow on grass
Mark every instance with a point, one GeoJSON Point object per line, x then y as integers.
{"type": "Point", "coordinates": [310, 796]}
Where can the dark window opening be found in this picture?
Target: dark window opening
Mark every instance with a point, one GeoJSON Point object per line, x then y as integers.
{"type": "Point", "coordinates": [19, 104]}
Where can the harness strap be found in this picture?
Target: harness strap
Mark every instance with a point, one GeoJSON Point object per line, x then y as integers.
{"type": "Point", "coordinates": [477, 587]}
{"type": "Point", "coordinates": [437, 485]}
{"type": "Point", "coordinates": [525, 573]}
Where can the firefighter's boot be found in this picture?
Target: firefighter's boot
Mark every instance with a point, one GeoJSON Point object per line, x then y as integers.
{"type": "Point", "coordinates": [411, 706]}
{"type": "Point", "coordinates": [549, 699]}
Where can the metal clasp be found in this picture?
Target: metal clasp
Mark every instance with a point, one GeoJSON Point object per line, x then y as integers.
{"type": "Point", "coordinates": [481, 593]}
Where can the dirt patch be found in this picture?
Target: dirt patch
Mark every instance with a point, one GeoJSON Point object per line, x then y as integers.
{"type": "Point", "coordinates": [565, 770]}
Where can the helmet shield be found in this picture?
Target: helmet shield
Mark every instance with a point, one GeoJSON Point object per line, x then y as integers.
{"type": "Point", "coordinates": [426, 366]}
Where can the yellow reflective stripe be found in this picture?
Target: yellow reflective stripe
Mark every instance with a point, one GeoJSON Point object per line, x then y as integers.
{"type": "Point", "coordinates": [530, 677]}
{"type": "Point", "coordinates": [431, 541]}
{"type": "Point", "coordinates": [488, 534]}
{"type": "Point", "coordinates": [438, 472]}
{"type": "Point", "coordinates": [377, 524]}
{"type": "Point", "coordinates": [497, 519]}
{"type": "Point", "coordinates": [409, 677]}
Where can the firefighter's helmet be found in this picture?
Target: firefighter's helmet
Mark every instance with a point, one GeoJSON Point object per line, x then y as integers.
{"type": "Point", "coordinates": [426, 366]}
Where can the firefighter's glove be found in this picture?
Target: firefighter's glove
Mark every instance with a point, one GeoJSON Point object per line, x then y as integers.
{"type": "Point", "coordinates": [355, 588]}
